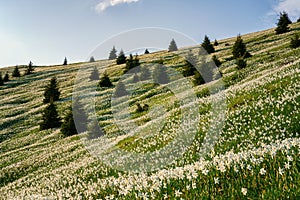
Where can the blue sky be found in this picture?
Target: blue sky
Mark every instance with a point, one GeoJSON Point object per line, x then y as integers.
{"type": "Point", "coordinates": [47, 31]}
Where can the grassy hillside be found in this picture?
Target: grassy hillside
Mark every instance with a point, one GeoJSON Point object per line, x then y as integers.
{"type": "Point", "coordinates": [255, 157]}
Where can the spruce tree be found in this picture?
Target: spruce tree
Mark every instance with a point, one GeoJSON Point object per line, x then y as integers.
{"type": "Point", "coordinates": [79, 115]}
{"type": "Point", "coordinates": [29, 69]}
{"type": "Point", "coordinates": [65, 61]}
{"type": "Point", "coordinates": [68, 127]}
{"type": "Point", "coordinates": [239, 49]}
{"type": "Point", "coordinates": [206, 44]}
{"type": "Point", "coordinates": [120, 90]}
{"type": "Point", "coordinates": [241, 63]}
{"type": "Point", "coordinates": [94, 75]}
{"type": "Point", "coordinates": [145, 74]}
{"type": "Point", "coordinates": [105, 81]}
{"type": "Point", "coordinates": [1, 80]}
{"type": "Point", "coordinates": [295, 41]}
{"type": "Point", "coordinates": [51, 91]}
{"type": "Point", "coordinates": [6, 77]}
{"type": "Point", "coordinates": [121, 59]}
{"type": "Point", "coordinates": [173, 46]}
{"type": "Point", "coordinates": [92, 59]}
{"type": "Point", "coordinates": [283, 23]}
{"type": "Point", "coordinates": [16, 72]}
{"type": "Point", "coordinates": [298, 20]}
{"type": "Point", "coordinates": [50, 117]}
{"type": "Point", "coordinates": [112, 54]}
{"type": "Point", "coordinates": [160, 75]}
{"type": "Point", "coordinates": [146, 51]}
{"type": "Point", "coordinates": [132, 62]}
{"type": "Point", "coordinates": [216, 43]}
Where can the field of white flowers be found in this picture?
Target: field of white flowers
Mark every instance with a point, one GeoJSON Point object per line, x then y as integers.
{"type": "Point", "coordinates": [254, 156]}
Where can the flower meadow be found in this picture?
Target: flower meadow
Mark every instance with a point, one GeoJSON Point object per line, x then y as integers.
{"type": "Point", "coordinates": [252, 151]}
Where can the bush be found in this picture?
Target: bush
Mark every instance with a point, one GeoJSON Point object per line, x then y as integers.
{"type": "Point", "coordinates": [50, 118]}
{"type": "Point", "coordinates": [198, 79]}
{"type": "Point", "coordinates": [16, 72]}
{"type": "Point", "coordinates": [132, 62]}
{"type": "Point", "coordinates": [295, 41]}
{"type": "Point", "coordinates": [216, 61]}
{"type": "Point", "coordinates": [105, 81]}
{"type": "Point", "coordinates": [51, 91]}
{"type": "Point", "coordinates": [6, 77]}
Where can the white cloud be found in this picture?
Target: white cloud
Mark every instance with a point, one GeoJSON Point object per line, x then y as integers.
{"type": "Point", "coordinates": [292, 7]}
{"type": "Point", "coordinates": [104, 4]}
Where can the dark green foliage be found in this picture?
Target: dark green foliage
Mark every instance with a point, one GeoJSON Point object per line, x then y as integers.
{"type": "Point", "coordinates": [92, 59]}
{"type": "Point", "coordinates": [173, 46]}
{"type": "Point", "coordinates": [146, 51]}
{"type": "Point", "coordinates": [6, 77]}
{"type": "Point", "coordinates": [239, 49]}
{"type": "Point", "coordinates": [105, 81]}
{"type": "Point", "coordinates": [120, 90]}
{"type": "Point", "coordinates": [145, 74]}
{"type": "Point", "coordinates": [189, 68]}
{"type": "Point", "coordinates": [51, 91]}
{"type": "Point", "coordinates": [132, 62]}
{"type": "Point", "coordinates": [29, 69]}
{"type": "Point", "coordinates": [283, 23]}
{"type": "Point", "coordinates": [241, 63]}
{"type": "Point", "coordinates": [16, 72]}
{"type": "Point", "coordinates": [198, 79]}
{"type": "Point", "coordinates": [216, 61]}
{"type": "Point", "coordinates": [112, 54]}
{"type": "Point", "coordinates": [141, 108]}
{"type": "Point", "coordinates": [216, 43]}
{"type": "Point", "coordinates": [80, 116]}
{"type": "Point", "coordinates": [68, 127]}
{"type": "Point", "coordinates": [121, 58]}
{"type": "Point", "coordinates": [298, 20]}
{"type": "Point", "coordinates": [50, 118]}
{"type": "Point", "coordinates": [207, 45]}
{"type": "Point", "coordinates": [160, 75]}
{"type": "Point", "coordinates": [1, 80]}
{"type": "Point", "coordinates": [295, 41]}
{"type": "Point", "coordinates": [135, 78]}
{"type": "Point", "coordinates": [65, 61]}
{"type": "Point", "coordinates": [94, 75]}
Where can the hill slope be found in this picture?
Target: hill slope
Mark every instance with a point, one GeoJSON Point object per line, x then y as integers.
{"type": "Point", "coordinates": [256, 154]}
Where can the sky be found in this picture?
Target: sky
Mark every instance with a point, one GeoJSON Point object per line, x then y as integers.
{"type": "Point", "coordinates": [47, 31]}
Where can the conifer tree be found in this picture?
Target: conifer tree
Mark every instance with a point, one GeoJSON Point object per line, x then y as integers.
{"type": "Point", "coordinates": [120, 90]}
{"type": "Point", "coordinates": [145, 74]}
{"type": "Point", "coordinates": [295, 41]}
{"type": "Point", "coordinates": [216, 43]}
{"type": "Point", "coordinates": [112, 54]}
{"type": "Point", "coordinates": [94, 75]}
{"type": "Point", "coordinates": [1, 80]}
{"type": "Point", "coordinates": [189, 68]}
{"type": "Point", "coordinates": [239, 49]}
{"type": "Point", "coordinates": [16, 72]}
{"type": "Point", "coordinates": [6, 77]}
{"type": "Point", "coordinates": [121, 59]}
{"type": "Point", "coordinates": [283, 23]}
{"type": "Point", "coordinates": [207, 45]}
{"type": "Point", "coordinates": [50, 117]}
{"type": "Point", "coordinates": [105, 81]}
{"type": "Point", "coordinates": [65, 61]}
{"type": "Point", "coordinates": [29, 69]}
{"type": "Point", "coordinates": [51, 91]}
{"type": "Point", "coordinates": [132, 62]}
{"type": "Point", "coordinates": [241, 63]}
{"type": "Point", "coordinates": [92, 59]}
{"type": "Point", "coordinates": [160, 75]}
{"type": "Point", "coordinates": [146, 51]}
{"type": "Point", "coordinates": [298, 20]}
{"type": "Point", "coordinates": [68, 127]}
{"type": "Point", "coordinates": [173, 46]}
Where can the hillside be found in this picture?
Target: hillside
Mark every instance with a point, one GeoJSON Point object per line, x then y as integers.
{"type": "Point", "coordinates": [255, 156]}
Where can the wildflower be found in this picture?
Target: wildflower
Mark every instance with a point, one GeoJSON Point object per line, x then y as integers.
{"type": "Point", "coordinates": [216, 180]}
{"type": "Point", "coordinates": [262, 171]}
{"type": "Point", "coordinates": [281, 171]}
{"type": "Point", "coordinates": [244, 191]}
{"type": "Point", "coordinates": [287, 165]}
{"type": "Point", "coordinates": [178, 193]}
